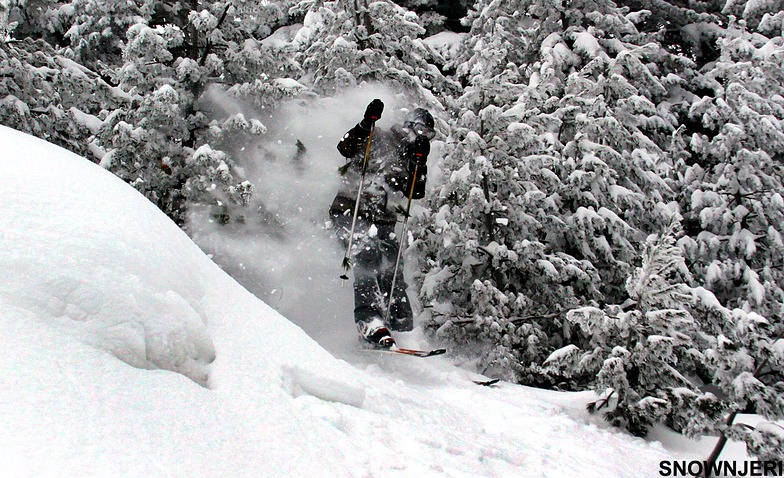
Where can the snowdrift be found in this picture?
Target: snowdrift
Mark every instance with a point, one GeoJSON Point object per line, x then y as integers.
{"type": "Point", "coordinates": [88, 254]}
{"type": "Point", "coordinates": [93, 273]}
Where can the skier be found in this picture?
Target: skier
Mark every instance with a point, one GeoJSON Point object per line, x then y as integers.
{"type": "Point", "coordinates": [380, 164]}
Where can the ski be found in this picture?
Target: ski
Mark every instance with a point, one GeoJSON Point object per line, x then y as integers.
{"type": "Point", "coordinates": [418, 353]}
{"type": "Point", "coordinates": [411, 352]}
{"type": "Point", "coordinates": [487, 383]}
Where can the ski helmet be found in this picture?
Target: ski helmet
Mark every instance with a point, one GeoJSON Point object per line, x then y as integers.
{"type": "Point", "coordinates": [420, 121]}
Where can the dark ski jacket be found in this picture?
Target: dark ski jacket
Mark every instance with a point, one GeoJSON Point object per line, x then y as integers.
{"type": "Point", "coordinates": [389, 169]}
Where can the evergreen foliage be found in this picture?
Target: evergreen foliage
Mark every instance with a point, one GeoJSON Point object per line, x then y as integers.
{"type": "Point", "coordinates": [744, 360]}
{"type": "Point", "coordinates": [439, 14]}
{"type": "Point", "coordinates": [153, 126]}
{"type": "Point", "coordinates": [639, 357]}
{"type": "Point", "coordinates": [731, 184]}
{"type": "Point", "coordinates": [558, 158]}
{"type": "Point", "coordinates": [48, 95]}
{"type": "Point", "coordinates": [347, 42]}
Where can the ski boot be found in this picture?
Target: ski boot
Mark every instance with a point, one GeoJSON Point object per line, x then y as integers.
{"type": "Point", "coordinates": [375, 333]}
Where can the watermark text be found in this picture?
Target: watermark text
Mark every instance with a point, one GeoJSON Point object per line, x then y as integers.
{"type": "Point", "coordinates": [720, 468]}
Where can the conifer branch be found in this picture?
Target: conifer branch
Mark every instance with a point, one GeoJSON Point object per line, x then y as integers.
{"type": "Point", "coordinates": [209, 45]}
{"type": "Point", "coordinates": [465, 320]}
{"type": "Point", "coordinates": [731, 417]}
{"type": "Point", "coordinates": [602, 402]}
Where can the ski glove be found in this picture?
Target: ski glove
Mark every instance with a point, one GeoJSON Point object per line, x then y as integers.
{"type": "Point", "coordinates": [418, 151]}
{"type": "Point", "coordinates": [355, 141]}
{"type": "Point", "coordinates": [372, 114]}
{"type": "Point", "coordinates": [416, 154]}
{"type": "Point", "coordinates": [374, 110]}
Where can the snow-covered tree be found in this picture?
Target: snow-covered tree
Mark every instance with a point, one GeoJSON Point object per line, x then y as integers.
{"type": "Point", "coordinates": [438, 15]}
{"type": "Point", "coordinates": [731, 182]}
{"type": "Point", "coordinates": [154, 126]}
{"type": "Point", "coordinates": [37, 19]}
{"type": "Point", "coordinates": [167, 144]}
{"type": "Point", "coordinates": [764, 16]}
{"type": "Point", "coordinates": [486, 231]}
{"type": "Point", "coordinates": [48, 95]}
{"type": "Point", "coordinates": [639, 357]}
{"type": "Point", "coordinates": [688, 28]}
{"type": "Point", "coordinates": [744, 359]}
{"type": "Point", "coordinates": [346, 42]}
{"type": "Point", "coordinates": [554, 174]}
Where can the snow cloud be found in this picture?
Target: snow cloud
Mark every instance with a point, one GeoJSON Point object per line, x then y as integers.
{"type": "Point", "coordinates": [283, 250]}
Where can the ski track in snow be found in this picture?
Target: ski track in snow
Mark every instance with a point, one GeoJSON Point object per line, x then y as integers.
{"type": "Point", "coordinates": [429, 419]}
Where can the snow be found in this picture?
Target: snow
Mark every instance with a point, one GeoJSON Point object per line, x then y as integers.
{"type": "Point", "coordinates": [289, 83]}
{"type": "Point", "coordinates": [548, 268]}
{"type": "Point", "coordinates": [461, 175]}
{"type": "Point", "coordinates": [69, 275]}
{"type": "Point", "coordinates": [125, 351]}
{"type": "Point", "coordinates": [433, 280]}
{"type": "Point", "coordinates": [300, 381]}
{"type": "Point", "coordinates": [617, 192]}
{"type": "Point", "coordinates": [283, 36]}
{"type": "Point", "coordinates": [778, 348]}
{"type": "Point", "coordinates": [755, 289]}
{"type": "Point", "coordinates": [341, 42]}
{"type": "Point", "coordinates": [91, 122]}
{"type": "Point", "coordinates": [444, 39]}
{"type": "Point", "coordinates": [587, 44]}
{"type": "Point", "coordinates": [445, 42]}
{"type": "Point", "coordinates": [713, 273]}
{"type": "Point", "coordinates": [562, 353]}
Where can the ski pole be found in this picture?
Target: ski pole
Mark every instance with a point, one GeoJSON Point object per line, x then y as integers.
{"type": "Point", "coordinates": [347, 256]}
{"type": "Point", "coordinates": [402, 238]}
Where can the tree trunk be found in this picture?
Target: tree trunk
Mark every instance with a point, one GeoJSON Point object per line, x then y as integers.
{"type": "Point", "coordinates": [731, 418]}
{"type": "Point", "coordinates": [719, 446]}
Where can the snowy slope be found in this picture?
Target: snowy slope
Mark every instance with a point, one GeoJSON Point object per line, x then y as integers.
{"type": "Point", "coordinates": [110, 317]}
{"type": "Point", "coordinates": [91, 267]}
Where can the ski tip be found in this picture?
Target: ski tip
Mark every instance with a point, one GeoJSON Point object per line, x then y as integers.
{"type": "Point", "coordinates": [487, 383]}
{"type": "Point", "coordinates": [437, 352]}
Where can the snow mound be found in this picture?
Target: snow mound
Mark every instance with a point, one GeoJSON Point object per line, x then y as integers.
{"type": "Point", "coordinates": [300, 381]}
{"type": "Point", "coordinates": [90, 266]}
{"type": "Point", "coordinates": [89, 254]}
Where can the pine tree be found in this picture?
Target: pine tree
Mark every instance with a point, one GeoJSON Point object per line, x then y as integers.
{"type": "Point", "coordinates": [37, 19]}
{"type": "Point", "coordinates": [731, 182]}
{"type": "Point", "coordinates": [347, 42]}
{"type": "Point", "coordinates": [642, 354]}
{"type": "Point", "coordinates": [48, 95]}
{"type": "Point", "coordinates": [684, 28]}
{"type": "Point", "coordinates": [166, 144]}
{"type": "Point", "coordinates": [763, 16]}
{"type": "Point", "coordinates": [554, 174]}
{"type": "Point", "coordinates": [146, 67]}
{"type": "Point", "coordinates": [439, 15]}
{"type": "Point", "coordinates": [744, 361]}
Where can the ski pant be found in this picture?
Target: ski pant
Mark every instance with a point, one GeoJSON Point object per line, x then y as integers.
{"type": "Point", "coordinates": [373, 255]}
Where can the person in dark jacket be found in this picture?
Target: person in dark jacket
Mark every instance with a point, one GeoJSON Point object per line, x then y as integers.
{"type": "Point", "coordinates": [397, 163]}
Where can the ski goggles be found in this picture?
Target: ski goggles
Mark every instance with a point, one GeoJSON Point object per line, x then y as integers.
{"type": "Point", "coordinates": [421, 129]}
